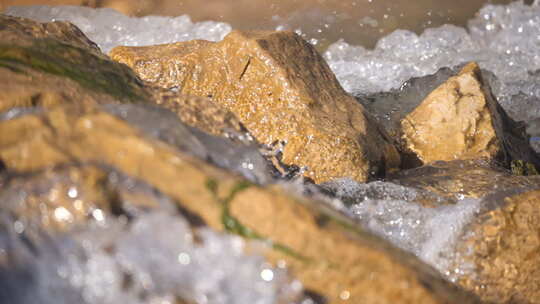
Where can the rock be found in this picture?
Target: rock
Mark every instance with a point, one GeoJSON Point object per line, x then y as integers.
{"type": "Point", "coordinates": [462, 178]}
{"type": "Point", "coordinates": [389, 108]}
{"type": "Point", "coordinates": [54, 63]}
{"type": "Point", "coordinates": [278, 99]}
{"type": "Point", "coordinates": [502, 248]}
{"type": "Point", "coordinates": [44, 64]}
{"type": "Point", "coordinates": [462, 120]}
{"type": "Point", "coordinates": [330, 256]}
{"type": "Point", "coordinates": [454, 122]}
{"type": "Point", "coordinates": [201, 113]}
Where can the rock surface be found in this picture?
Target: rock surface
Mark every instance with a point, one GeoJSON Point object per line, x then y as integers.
{"type": "Point", "coordinates": [282, 91]}
{"type": "Point", "coordinates": [462, 178]}
{"type": "Point", "coordinates": [359, 270]}
{"type": "Point", "coordinates": [455, 121]}
{"type": "Point", "coordinates": [502, 247]}
{"type": "Point", "coordinates": [64, 164]}
{"type": "Point", "coordinates": [42, 65]}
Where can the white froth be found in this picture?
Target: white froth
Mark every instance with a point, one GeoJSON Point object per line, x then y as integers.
{"type": "Point", "coordinates": [153, 260]}
{"type": "Point", "coordinates": [502, 39]}
{"type": "Point", "coordinates": [390, 211]}
{"type": "Point", "coordinates": [109, 28]}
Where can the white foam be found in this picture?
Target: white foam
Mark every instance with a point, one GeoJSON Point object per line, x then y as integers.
{"type": "Point", "coordinates": [390, 211]}
{"type": "Point", "coordinates": [502, 39]}
{"type": "Point", "coordinates": [109, 28]}
{"type": "Point", "coordinates": [155, 259]}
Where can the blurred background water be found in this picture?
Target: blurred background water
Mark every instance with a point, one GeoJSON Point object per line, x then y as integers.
{"type": "Point", "coordinates": [358, 22]}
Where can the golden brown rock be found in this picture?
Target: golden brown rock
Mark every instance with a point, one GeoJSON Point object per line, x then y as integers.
{"type": "Point", "coordinates": [43, 64]}
{"type": "Point", "coordinates": [502, 245]}
{"type": "Point", "coordinates": [281, 90]}
{"type": "Point", "coordinates": [200, 112]}
{"type": "Point", "coordinates": [454, 121]}
{"type": "Point", "coordinates": [329, 255]}
{"type": "Point", "coordinates": [46, 64]}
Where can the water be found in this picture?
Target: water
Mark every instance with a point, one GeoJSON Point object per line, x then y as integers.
{"type": "Point", "coordinates": [504, 40]}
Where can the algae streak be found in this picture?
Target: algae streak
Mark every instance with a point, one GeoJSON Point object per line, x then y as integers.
{"type": "Point", "coordinates": [233, 225]}
{"type": "Point", "coordinates": [64, 60]}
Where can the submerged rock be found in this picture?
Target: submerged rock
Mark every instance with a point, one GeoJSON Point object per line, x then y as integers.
{"type": "Point", "coordinates": [282, 91]}
{"type": "Point", "coordinates": [331, 258]}
{"type": "Point", "coordinates": [462, 178]}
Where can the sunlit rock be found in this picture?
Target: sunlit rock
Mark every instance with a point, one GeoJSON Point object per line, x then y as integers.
{"type": "Point", "coordinates": [282, 91]}
{"type": "Point", "coordinates": [323, 250]}
{"type": "Point", "coordinates": [455, 121]}
{"type": "Point", "coordinates": [54, 63]}
{"type": "Point", "coordinates": [501, 247]}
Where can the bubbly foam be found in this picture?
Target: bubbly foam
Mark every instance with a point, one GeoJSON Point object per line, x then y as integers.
{"type": "Point", "coordinates": [109, 28]}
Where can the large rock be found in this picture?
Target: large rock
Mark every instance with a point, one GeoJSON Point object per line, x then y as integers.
{"type": "Point", "coordinates": [282, 91]}
{"type": "Point", "coordinates": [449, 116]}
{"type": "Point", "coordinates": [341, 263]}
{"type": "Point", "coordinates": [46, 64]}
{"type": "Point", "coordinates": [455, 121]}
{"type": "Point", "coordinates": [502, 248]}
{"type": "Point", "coordinates": [43, 64]}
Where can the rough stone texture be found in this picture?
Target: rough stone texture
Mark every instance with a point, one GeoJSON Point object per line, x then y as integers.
{"type": "Point", "coordinates": [43, 64]}
{"type": "Point", "coordinates": [503, 246]}
{"type": "Point", "coordinates": [281, 90]}
{"type": "Point", "coordinates": [389, 108]}
{"type": "Point", "coordinates": [453, 122]}
{"type": "Point", "coordinates": [462, 120]}
{"type": "Point", "coordinates": [462, 178]}
{"type": "Point", "coordinates": [200, 112]}
{"type": "Point", "coordinates": [331, 257]}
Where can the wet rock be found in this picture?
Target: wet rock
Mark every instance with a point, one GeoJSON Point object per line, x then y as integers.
{"type": "Point", "coordinates": [462, 178]}
{"type": "Point", "coordinates": [458, 119]}
{"type": "Point", "coordinates": [502, 248]}
{"type": "Point", "coordinates": [389, 108]}
{"type": "Point", "coordinates": [328, 254]}
{"type": "Point", "coordinates": [43, 64]}
{"type": "Point", "coordinates": [455, 121]}
{"type": "Point", "coordinates": [282, 91]}
{"type": "Point", "coordinates": [81, 233]}
{"type": "Point", "coordinates": [236, 152]}
{"type": "Point", "coordinates": [48, 64]}
{"type": "Point", "coordinates": [201, 113]}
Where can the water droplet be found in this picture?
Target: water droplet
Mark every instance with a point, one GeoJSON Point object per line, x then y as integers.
{"type": "Point", "coordinates": [267, 275]}
{"type": "Point", "coordinates": [184, 258]}
{"type": "Point", "coordinates": [72, 192]}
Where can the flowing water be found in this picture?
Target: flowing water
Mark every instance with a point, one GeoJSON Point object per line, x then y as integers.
{"type": "Point", "coordinates": [503, 39]}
